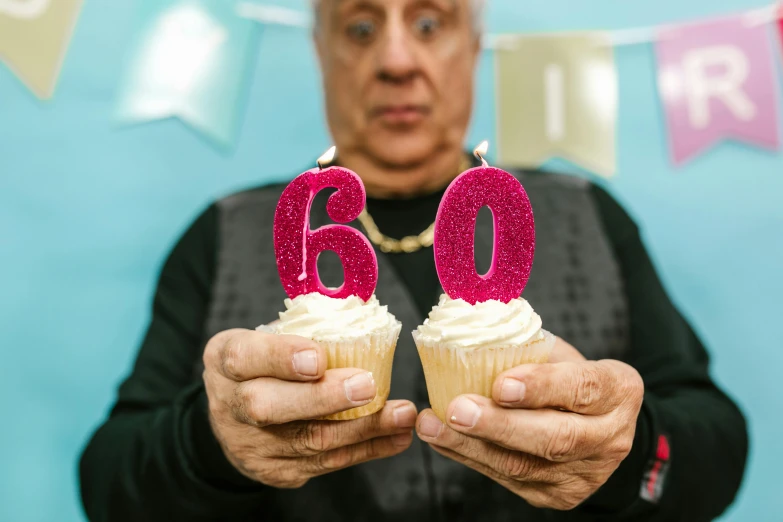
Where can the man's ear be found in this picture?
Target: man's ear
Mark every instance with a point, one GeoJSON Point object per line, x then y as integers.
{"type": "Point", "coordinates": [477, 44]}
{"type": "Point", "coordinates": [316, 42]}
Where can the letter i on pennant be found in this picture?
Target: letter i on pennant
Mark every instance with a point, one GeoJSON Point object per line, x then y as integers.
{"type": "Point", "coordinates": [557, 97]}
{"type": "Point", "coordinates": [717, 80]}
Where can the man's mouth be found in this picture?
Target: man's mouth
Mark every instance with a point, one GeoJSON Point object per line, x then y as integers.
{"type": "Point", "coordinates": [408, 114]}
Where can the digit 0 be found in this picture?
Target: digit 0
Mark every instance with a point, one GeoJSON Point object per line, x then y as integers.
{"type": "Point", "coordinates": [514, 241]}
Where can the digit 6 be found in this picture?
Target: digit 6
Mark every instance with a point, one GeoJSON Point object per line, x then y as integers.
{"type": "Point", "coordinates": [297, 247]}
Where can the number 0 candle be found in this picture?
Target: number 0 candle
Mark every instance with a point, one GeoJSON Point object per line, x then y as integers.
{"type": "Point", "coordinates": [514, 241]}
{"type": "Point", "coordinates": [297, 247]}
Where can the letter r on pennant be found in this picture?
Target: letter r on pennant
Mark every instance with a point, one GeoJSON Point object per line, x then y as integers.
{"type": "Point", "coordinates": [701, 87]}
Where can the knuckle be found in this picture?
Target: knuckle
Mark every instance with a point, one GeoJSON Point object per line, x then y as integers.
{"type": "Point", "coordinates": [621, 447]}
{"type": "Point", "coordinates": [629, 384]}
{"type": "Point", "coordinates": [460, 444]}
{"type": "Point", "coordinates": [211, 354]}
{"type": "Point", "coordinates": [254, 408]}
{"type": "Point", "coordinates": [565, 503]}
{"type": "Point", "coordinates": [508, 430]}
{"type": "Point", "coordinates": [538, 499]}
{"type": "Point", "coordinates": [587, 390]}
{"type": "Point", "coordinates": [231, 359]}
{"type": "Point", "coordinates": [337, 459]}
{"type": "Point", "coordinates": [315, 438]}
{"type": "Point", "coordinates": [564, 442]}
{"type": "Point", "coordinates": [515, 465]}
{"type": "Point", "coordinates": [567, 496]}
{"type": "Point", "coordinates": [285, 477]}
{"type": "Point", "coordinates": [215, 408]}
{"type": "Point", "coordinates": [633, 386]}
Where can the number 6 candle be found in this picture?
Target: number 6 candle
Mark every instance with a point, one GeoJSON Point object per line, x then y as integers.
{"type": "Point", "coordinates": [514, 241]}
{"type": "Point", "coordinates": [297, 247]}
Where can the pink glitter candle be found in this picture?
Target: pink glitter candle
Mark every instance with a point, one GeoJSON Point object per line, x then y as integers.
{"type": "Point", "coordinates": [297, 247]}
{"type": "Point", "coordinates": [514, 242]}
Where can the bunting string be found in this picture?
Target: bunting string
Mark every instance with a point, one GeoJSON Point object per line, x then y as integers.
{"type": "Point", "coordinates": [191, 60]}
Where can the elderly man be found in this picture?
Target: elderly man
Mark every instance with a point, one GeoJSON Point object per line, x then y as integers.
{"type": "Point", "coordinates": [217, 422]}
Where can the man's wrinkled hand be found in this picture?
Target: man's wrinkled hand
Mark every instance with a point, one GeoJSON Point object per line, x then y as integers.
{"type": "Point", "coordinates": [265, 393]}
{"type": "Point", "coordinates": [552, 433]}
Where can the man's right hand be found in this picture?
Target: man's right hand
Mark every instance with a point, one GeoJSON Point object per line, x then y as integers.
{"type": "Point", "coordinates": [264, 392]}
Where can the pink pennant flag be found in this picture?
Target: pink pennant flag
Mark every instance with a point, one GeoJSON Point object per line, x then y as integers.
{"type": "Point", "coordinates": [717, 80]}
{"type": "Point", "coordinates": [780, 22]}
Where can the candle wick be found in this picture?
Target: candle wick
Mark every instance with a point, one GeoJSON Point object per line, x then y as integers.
{"type": "Point", "coordinates": [480, 151]}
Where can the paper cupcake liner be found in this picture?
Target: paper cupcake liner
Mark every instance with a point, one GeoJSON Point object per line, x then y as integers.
{"type": "Point", "coordinates": [451, 371]}
{"type": "Point", "coordinates": [372, 352]}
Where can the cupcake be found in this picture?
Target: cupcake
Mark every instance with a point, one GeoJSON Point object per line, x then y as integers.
{"type": "Point", "coordinates": [354, 333]}
{"type": "Point", "coordinates": [464, 347]}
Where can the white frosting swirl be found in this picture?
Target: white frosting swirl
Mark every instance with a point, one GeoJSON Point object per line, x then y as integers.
{"type": "Point", "coordinates": [319, 317]}
{"type": "Point", "coordinates": [460, 324]}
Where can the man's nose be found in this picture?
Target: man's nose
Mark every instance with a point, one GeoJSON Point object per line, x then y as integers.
{"type": "Point", "coordinates": [397, 59]}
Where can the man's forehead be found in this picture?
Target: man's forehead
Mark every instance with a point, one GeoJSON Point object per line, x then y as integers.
{"type": "Point", "coordinates": [452, 3]}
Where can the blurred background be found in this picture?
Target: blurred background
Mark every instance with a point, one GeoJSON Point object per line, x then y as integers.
{"type": "Point", "coordinates": [89, 208]}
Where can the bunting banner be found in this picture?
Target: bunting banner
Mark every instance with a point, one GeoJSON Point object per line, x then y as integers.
{"type": "Point", "coordinates": [191, 60]}
{"type": "Point", "coordinates": [557, 96]}
{"type": "Point", "coordinates": [717, 80]}
{"type": "Point", "coordinates": [34, 37]}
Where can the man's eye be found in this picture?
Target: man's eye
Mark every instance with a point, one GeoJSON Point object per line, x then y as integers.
{"type": "Point", "coordinates": [426, 25]}
{"type": "Point", "coordinates": [362, 30]}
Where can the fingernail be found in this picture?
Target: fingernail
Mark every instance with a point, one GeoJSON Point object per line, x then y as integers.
{"type": "Point", "coordinates": [405, 416]}
{"type": "Point", "coordinates": [430, 426]}
{"type": "Point", "coordinates": [512, 390]}
{"type": "Point", "coordinates": [402, 439]}
{"type": "Point", "coordinates": [360, 387]}
{"type": "Point", "coordinates": [306, 363]}
{"type": "Point", "coordinates": [466, 413]}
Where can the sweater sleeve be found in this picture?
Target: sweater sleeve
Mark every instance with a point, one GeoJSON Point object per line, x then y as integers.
{"type": "Point", "coordinates": [691, 443]}
{"type": "Point", "coordinates": [155, 458]}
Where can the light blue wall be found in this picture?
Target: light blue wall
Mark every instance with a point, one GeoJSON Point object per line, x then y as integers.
{"type": "Point", "coordinates": [87, 212]}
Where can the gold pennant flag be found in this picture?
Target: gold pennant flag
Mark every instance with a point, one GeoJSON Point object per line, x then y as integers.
{"type": "Point", "coordinates": [557, 96]}
{"type": "Point", "coordinates": [34, 36]}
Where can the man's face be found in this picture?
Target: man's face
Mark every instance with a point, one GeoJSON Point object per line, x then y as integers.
{"type": "Point", "coordinates": [398, 75]}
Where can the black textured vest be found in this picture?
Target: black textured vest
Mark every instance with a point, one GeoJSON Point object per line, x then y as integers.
{"type": "Point", "coordinates": [575, 286]}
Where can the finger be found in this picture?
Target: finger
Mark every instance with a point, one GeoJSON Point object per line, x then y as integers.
{"type": "Point", "coordinates": [246, 355]}
{"type": "Point", "coordinates": [564, 352]}
{"type": "Point", "coordinates": [304, 439]}
{"type": "Point", "coordinates": [266, 401]}
{"type": "Point", "coordinates": [348, 456]}
{"type": "Point", "coordinates": [508, 463]}
{"type": "Point", "coordinates": [556, 436]}
{"type": "Point", "coordinates": [477, 466]}
{"type": "Point", "coordinates": [533, 492]}
{"type": "Point", "coordinates": [590, 387]}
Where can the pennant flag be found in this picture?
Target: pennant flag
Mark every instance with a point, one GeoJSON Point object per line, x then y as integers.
{"type": "Point", "coordinates": [557, 96]}
{"type": "Point", "coordinates": [191, 61]}
{"type": "Point", "coordinates": [717, 80]}
{"type": "Point", "coordinates": [34, 36]}
{"type": "Point", "coordinates": [780, 22]}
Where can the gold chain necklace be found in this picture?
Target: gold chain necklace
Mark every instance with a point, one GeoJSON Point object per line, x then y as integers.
{"type": "Point", "coordinates": [408, 244]}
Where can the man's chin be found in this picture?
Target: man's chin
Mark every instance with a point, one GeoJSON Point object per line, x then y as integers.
{"type": "Point", "coordinates": [402, 149]}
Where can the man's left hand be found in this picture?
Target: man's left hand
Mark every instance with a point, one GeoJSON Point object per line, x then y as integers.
{"type": "Point", "coordinates": [552, 433]}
